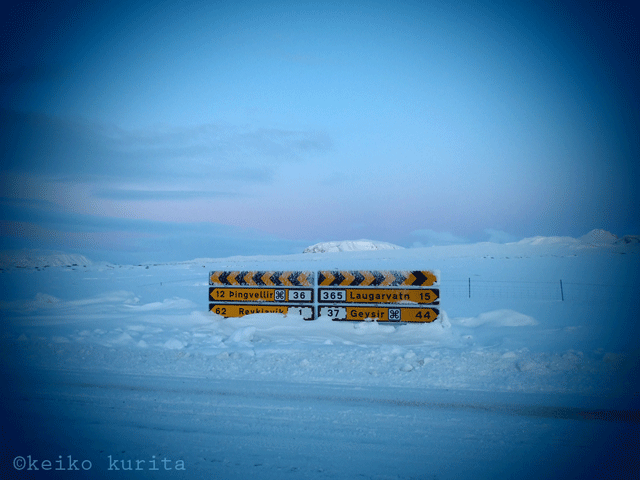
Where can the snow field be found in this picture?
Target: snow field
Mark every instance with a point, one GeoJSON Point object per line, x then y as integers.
{"type": "Point", "coordinates": [122, 362]}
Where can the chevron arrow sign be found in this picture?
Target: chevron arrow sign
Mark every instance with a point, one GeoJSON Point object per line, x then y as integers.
{"type": "Point", "coordinates": [375, 278]}
{"type": "Point", "coordinates": [262, 278]}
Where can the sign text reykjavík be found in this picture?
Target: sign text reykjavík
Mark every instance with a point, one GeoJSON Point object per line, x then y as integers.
{"type": "Point", "coordinates": [242, 309]}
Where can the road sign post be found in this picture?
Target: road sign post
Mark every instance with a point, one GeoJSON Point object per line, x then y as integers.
{"type": "Point", "coordinates": [345, 295]}
{"type": "Point", "coordinates": [380, 295]}
{"type": "Point", "coordinates": [240, 293]}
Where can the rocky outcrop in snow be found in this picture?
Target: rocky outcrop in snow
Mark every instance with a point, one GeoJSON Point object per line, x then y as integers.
{"type": "Point", "coordinates": [628, 239]}
{"type": "Point", "coordinates": [350, 246]}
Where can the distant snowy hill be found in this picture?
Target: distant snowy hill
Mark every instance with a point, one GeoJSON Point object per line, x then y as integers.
{"type": "Point", "coordinates": [40, 259]}
{"type": "Point", "coordinates": [599, 237]}
{"type": "Point", "coordinates": [350, 246]}
{"type": "Point", "coordinates": [547, 241]}
{"type": "Point", "coordinates": [595, 238]}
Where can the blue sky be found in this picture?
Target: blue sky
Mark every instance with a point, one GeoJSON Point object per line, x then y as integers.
{"type": "Point", "coordinates": [138, 131]}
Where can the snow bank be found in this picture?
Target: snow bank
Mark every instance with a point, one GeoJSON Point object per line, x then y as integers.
{"type": "Point", "coordinates": [350, 246]}
{"type": "Point", "coordinates": [497, 318]}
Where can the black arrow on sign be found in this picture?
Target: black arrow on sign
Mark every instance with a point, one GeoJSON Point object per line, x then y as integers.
{"type": "Point", "coordinates": [257, 278]}
{"type": "Point", "coordinates": [400, 277]}
{"type": "Point", "coordinates": [379, 278]}
{"type": "Point", "coordinates": [420, 277]}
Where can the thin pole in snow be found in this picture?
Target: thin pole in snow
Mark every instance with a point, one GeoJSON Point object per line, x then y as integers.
{"type": "Point", "coordinates": [561, 291]}
{"type": "Point", "coordinates": [469, 287]}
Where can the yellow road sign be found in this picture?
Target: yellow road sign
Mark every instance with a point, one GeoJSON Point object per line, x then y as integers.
{"type": "Point", "coordinates": [253, 294]}
{"type": "Point", "coordinates": [240, 310]}
{"type": "Point", "coordinates": [374, 278]}
{"type": "Point", "coordinates": [378, 313]}
{"type": "Point", "coordinates": [262, 278]}
{"type": "Point", "coordinates": [379, 295]}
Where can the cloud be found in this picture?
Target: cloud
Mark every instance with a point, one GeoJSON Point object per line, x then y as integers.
{"type": "Point", "coordinates": [498, 236]}
{"type": "Point", "coordinates": [50, 216]}
{"type": "Point", "coordinates": [430, 237]}
{"type": "Point", "coordinates": [67, 184]}
{"type": "Point", "coordinates": [284, 144]}
{"type": "Point", "coordinates": [122, 194]}
{"type": "Point", "coordinates": [42, 225]}
{"type": "Point", "coordinates": [84, 151]}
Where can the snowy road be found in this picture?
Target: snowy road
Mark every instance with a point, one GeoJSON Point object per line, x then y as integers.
{"type": "Point", "coordinates": [251, 429]}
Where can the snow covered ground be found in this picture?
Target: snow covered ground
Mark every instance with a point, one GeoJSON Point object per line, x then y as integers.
{"type": "Point", "coordinates": [123, 364]}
